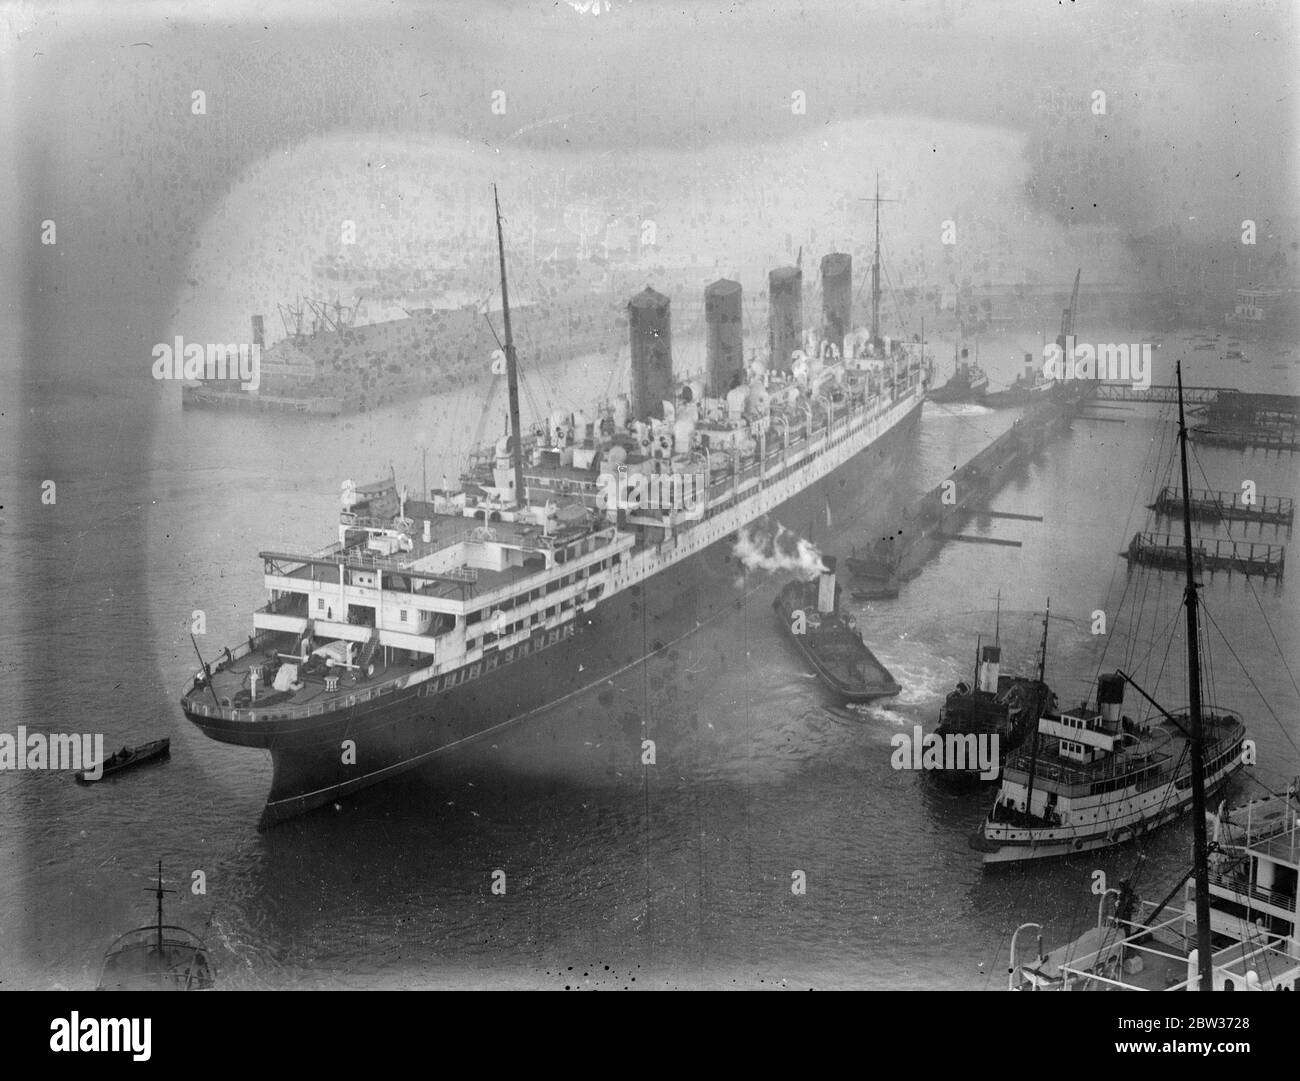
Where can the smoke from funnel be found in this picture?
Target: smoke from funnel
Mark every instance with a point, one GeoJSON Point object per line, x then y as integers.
{"type": "Point", "coordinates": [782, 550]}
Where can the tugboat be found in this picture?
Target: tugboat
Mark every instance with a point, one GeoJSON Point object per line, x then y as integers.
{"type": "Point", "coordinates": [157, 957]}
{"type": "Point", "coordinates": [1032, 383]}
{"type": "Point", "coordinates": [830, 641]}
{"type": "Point", "coordinates": [1028, 387]}
{"type": "Point", "coordinates": [1003, 705]}
{"type": "Point", "coordinates": [1091, 777]}
{"type": "Point", "coordinates": [968, 383]}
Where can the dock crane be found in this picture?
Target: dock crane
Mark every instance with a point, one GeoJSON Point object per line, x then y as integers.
{"type": "Point", "coordinates": [1067, 318]}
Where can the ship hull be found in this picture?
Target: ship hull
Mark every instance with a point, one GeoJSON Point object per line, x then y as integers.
{"type": "Point", "coordinates": [324, 757]}
{"type": "Point", "coordinates": [1133, 817]}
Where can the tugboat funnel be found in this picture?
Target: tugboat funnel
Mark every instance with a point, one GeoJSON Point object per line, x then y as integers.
{"type": "Point", "coordinates": [826, 586]}
{"type": "Point", "coordinates": [990, 665]}
{"type": "Point", "coordinates": [1110, 697]}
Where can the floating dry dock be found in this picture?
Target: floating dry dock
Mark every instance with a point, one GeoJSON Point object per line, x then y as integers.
{"type": "Point", "coordinates": [1244, 557]}
{"type": "Point", "coordinates": [1226, 507]}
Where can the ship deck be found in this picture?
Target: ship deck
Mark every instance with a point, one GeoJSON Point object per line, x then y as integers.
{"type": "Point", "coordinates": [232, 681]}
{"type": "Point", "coordinates": [445, 531]}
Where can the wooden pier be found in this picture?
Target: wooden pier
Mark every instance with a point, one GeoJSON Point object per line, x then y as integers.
{"type": "Point", "coordinates": [1163, 550]}
{"type": "Point", "coordinates": [1226, 507]}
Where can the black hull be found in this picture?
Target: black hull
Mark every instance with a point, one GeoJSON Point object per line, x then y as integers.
{"type": "Point", "coordinates": [398, 731]}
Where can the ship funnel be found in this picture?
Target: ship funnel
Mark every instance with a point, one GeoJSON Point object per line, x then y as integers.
{"type": "Point", "coordinates": [826, 587]}
{"type": "Point", "coordinates": [1110, 697]}
{"type": "Point", "coordinates": [724, 354]}
{"type": "Point", "coordinates": [650, 327]}
{"type": "Point", "coordinates": [989, 669]}
{"type": "Point", "coordinates": [259, 339]}
{"type": "Point", "coordinates": [785, 315]}
{"type": "Point", "coordinates": [1029, 367]}
{"type": "Point", "coordinates": [837, 298]}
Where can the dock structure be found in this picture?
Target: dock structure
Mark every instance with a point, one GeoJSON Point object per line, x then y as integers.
{"type": "Point", "coordinates": [1226, 507]}
{"type": "Point", "coordinates": [937, 517]}
{"type": "Point", "coordinates": [1241, 409]}
{"type": "Point", "coordinates": [1223, 406]}
{"type": "Point", "coordinates": [1127, 392]}
{"type": "Point", "coordinates": [1162, 550]}
{"type": "Point", "coordinates": [1280, 440]}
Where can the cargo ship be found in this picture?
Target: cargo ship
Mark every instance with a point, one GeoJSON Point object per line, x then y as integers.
{"type": "Point", "coordinates": [430, 623]}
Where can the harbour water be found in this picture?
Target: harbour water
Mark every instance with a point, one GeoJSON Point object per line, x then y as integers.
{"type": "Point", "coordinates": [617, 875]}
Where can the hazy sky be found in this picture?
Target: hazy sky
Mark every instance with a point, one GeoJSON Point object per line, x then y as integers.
{"type": "Point", "coordinates": [1199, 127]}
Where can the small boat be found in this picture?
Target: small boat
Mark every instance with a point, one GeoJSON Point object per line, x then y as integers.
{"type": "Point", "coordinates": [128, 758]}
{"type": "Point", "coordinates": [157, 957]}
{"type": "Point", "coordinates": [830, 641]}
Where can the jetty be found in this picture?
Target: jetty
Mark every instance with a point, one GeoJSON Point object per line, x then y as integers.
{"type": "Point", "coordinates": [1278, 439]}
{"type": "Point", "coordinates": [1162, 550]}
{"type": "Point", "coordinates": [1217, 506]}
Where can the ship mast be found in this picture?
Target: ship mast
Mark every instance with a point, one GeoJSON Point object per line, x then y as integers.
{"type": "Point", "coordinates": [512, 366]}
{"type": "Point", "coordinates": [1205, 960]}
{"type": "Point", "coordinates": [158, 892]}
{"type": "Point", "coordinates": [1038, 715]}
{"type": "Point", "coordinates": [1042, 650]}
{"type": "Point", "coordinates": [875, 277]}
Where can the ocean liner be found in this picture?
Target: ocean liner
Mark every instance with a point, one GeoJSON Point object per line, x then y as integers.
{"type": "Point", "coordinates": [430, 623]}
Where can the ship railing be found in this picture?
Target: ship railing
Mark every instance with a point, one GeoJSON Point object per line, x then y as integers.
{"type": "Point", "coordinates": [286, 604]}
{"type": "Point", "coordinates": [280, 711]}
{"type": "Point", "coordinates": [1260, 893]}
{"type": "Point", "coordinates": [1083, 779]}
{"type": "Point", "coordinates": [354, 521]}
